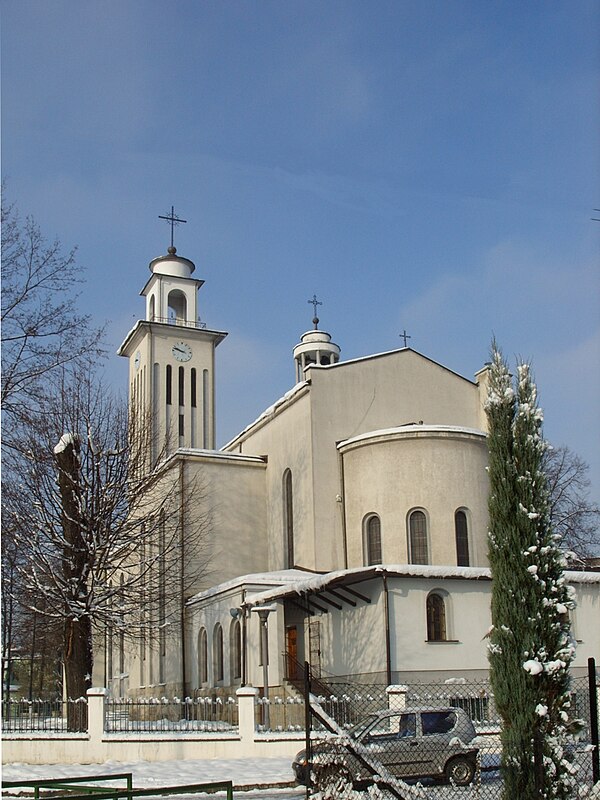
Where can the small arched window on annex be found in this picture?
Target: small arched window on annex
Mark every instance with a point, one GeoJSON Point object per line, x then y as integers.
{"type": "Point", "coordinates": [461, 534]}
{"type": "Point", "coordinates": [372, 540]}
{"type": "Point", "coordinates": [202, 658]}
{"type": "Point", "coordinates": [217, 653]}
{"type": "Point", "coordinates": [177, 305]}
{"type": "Point", "coordinates": [235, 651]}
{"type": "Point", "coordinates": [437, 616]}
{"type": "Point", "coordinates": [418, 537]}
{"type": "Point", "coordinates": [288, 520]}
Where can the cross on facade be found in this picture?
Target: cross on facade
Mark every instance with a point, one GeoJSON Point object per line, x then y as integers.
{"type": "Point", "coordinates": [314, 302]}
{"type": "Point", "coordinates": [173, 219]}
{"type": "Point", "coordinates": [404, 335]}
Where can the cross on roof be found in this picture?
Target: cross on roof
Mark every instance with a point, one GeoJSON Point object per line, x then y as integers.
{"type": "Point", "coordinates": [404, 335]}
{"type": "Point", "coordinates": [314, 302]}
{"type": "Point", "coordinates": [173, 219]}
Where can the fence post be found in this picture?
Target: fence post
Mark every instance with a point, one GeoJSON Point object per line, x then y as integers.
{"type": "Point", "coordinates": [594, 719]}
{"type": "Point", "coordinates": [96, 702]}
{"type": "Point", "coordinates": [307, 725]}
{"type": "Point", "coordinates": [396, 697]}
{"type": "Point", "coordinates": [246, 696]}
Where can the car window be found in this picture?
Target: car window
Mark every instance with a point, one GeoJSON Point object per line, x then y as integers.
{"type": "Point", "coordinates": [437, 722]}
{"type": "Point", "coordinates": [394, 727]}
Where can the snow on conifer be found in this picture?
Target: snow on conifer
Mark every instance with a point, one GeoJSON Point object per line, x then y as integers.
{"type": "Point", "coordinates": [530, 647]}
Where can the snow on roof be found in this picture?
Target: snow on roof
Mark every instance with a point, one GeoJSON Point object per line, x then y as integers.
{"type": "Point", "coordinates": [410, 429]}
{"type": "Point", "coordinates": [316, 583]}
{"type": "Point", "coordinates": [218, 455]}
{"type": "Point", "coordinates": [279, 578]}
{"type": "Point", "coordinates": [270, 411]}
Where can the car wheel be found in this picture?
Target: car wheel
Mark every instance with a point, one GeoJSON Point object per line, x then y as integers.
{"type": "Point", "coordinates": [460, 771]}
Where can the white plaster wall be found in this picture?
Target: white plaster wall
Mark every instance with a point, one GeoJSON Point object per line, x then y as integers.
{"type": "Point", "coordinates": [286, 439]}
{"type": "Point", "coordinates": [436, 471]}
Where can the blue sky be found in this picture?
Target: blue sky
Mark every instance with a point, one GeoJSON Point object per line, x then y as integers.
{"type": "Point", "coordinates": [423, 165]}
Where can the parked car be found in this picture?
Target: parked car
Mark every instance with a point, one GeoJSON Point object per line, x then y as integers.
{"type": "Point", "coordinates": [412, 743]}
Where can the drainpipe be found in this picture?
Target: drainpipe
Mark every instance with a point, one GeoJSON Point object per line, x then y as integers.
{"type": "Point", "coordinates": [244, 645]}
{"type": "Point", "coordinates": [341, 498]}
{"type": "Point", "coordinates": [182, 572]}
{"type": "Point", "coordinates": [386, 614]}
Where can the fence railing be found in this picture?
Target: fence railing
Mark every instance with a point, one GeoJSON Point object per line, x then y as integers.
{"type": "Point", "coordinates": [286, 713]}
{"type": "Point", "coordinates": [57, 716]}
{"type": "Point", "coordinates": [171, 714]}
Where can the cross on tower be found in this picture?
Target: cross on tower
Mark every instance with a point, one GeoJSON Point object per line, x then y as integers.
{"type": "Point", "coordinates": [314, 302]}
{"type": "Point", "coordinates": [404, 335]}
{"type": "Point", "coordinates": [173, 219]}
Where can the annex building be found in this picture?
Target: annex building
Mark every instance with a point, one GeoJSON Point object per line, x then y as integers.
{"type": "Point", "coordinates": [348, 523]}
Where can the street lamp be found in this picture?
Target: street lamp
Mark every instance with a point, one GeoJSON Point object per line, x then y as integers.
{"type": "Point", "coordinates": [263, 614]}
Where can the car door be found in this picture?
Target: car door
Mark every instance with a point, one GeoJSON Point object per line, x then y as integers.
{"type": "Point", "coordinates": [436, 732]}
{"type": "Point", "coordinates": [392, 742]}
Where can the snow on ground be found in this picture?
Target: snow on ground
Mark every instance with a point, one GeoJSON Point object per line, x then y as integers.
{"type": "Point", "coordinates": [244, 772]}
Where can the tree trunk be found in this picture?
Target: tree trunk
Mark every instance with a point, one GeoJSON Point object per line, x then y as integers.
{"type": "Point", "coordinates": [77, 645]}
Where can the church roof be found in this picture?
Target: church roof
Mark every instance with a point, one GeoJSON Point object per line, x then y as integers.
{"type": "Point", "coordinates": [339, 578]}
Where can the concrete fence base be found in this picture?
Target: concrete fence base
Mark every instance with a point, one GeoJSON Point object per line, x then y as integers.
{"type": "Point", "coordinates": [98, 746]}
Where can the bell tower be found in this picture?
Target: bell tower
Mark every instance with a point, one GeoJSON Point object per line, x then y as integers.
{"type": "Point", "coordinates": [172, 359]}
{"type": "Point", "coordinates": [315, 347]}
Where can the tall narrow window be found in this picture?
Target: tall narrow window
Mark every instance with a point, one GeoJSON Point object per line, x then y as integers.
{"type": "Point", "coordinates": [205, 409]}
{"type": "Point", "coordinates": [436, 618]}
{"type": "Point", "coordinates": [169, 387]}
{"type": "Point", "coordinates": [417, 529]}
{"type": "Point", "coordinates": [235, 650]}
{"type": "Point", "coordinates": [202, 657]}
{"type": "Point", "coordinates": [181, 386]}
{"type": "Point", "coordinates": [217, 653]}
{"type": "Point", "coordinates": [193, 387]}
{"type": "Point", "coordinates": [462, 538]}
{"type": "Point", "coordinates": [288, 520]}
{"type": "Point", "coordinates": [372, 539]}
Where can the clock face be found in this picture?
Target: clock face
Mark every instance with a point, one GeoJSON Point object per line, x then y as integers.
{"type": "Point", "coordinates": [181, 351]}
{"type": "Point", "coordinates": [137, 360]}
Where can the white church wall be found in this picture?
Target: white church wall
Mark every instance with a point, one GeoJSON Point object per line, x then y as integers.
{"type": "Point", "coordinates": [368, 394]}
{"type": "Point", "coordinates": [234, 493]}
{"type": "Point", "coordinates": [285, 438]}
{"type": "Point", "coordinates": [436, 471]}
{"type": "Point", "coordinates": [467, 607]}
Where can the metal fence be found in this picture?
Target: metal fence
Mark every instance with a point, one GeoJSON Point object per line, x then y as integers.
{"type": "Point", "coordinates": [55, 716]}
{"type": "Point", "coordinates": [149, 715]}
{"type": "Point", "coordinates": [428, 741]}
{"type": "Point", "coordinates": [285, 713]}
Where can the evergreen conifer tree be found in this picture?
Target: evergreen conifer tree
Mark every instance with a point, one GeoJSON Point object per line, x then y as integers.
{"type": "Point", "coordinates": [530, 645]}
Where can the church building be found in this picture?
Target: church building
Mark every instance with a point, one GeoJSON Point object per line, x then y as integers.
{"type": "Point", "coordinates": [348, 523]}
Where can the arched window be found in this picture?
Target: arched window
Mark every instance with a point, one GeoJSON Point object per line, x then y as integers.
{"type": "Point", "coordinates": [372, 539]}
{"type": "Point", "coordinates": [436, 618]}
{"type": "Point", "coordinates": [461, 532]}
{"type": "Point", "coordinates": [235, 650]}
{"type": "Point", "coordinates": [202, 657]}
{"type": "Point", "coordinates": [417, 534]}
{"type": "Point", "coordinates": [177, 307]}
{"type": "Point", "coordinates": [217, 653]}
{"type": "Point", "coordinates": [288, 520]}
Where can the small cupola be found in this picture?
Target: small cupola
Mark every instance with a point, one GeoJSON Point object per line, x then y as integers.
{"type": "Point", "coordinates": [315, 347]}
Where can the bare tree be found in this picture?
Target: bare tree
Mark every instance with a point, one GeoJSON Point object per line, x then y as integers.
{"type": "Point", "coordinates": [573, 515]}
{"type": "Point", "coordinates": [104, 536]}
{"type": "Point", "coordinates": [41, 328]}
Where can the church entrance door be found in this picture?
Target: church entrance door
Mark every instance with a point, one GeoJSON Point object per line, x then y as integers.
{"type": "Point", "coordinates": [291, 649]}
